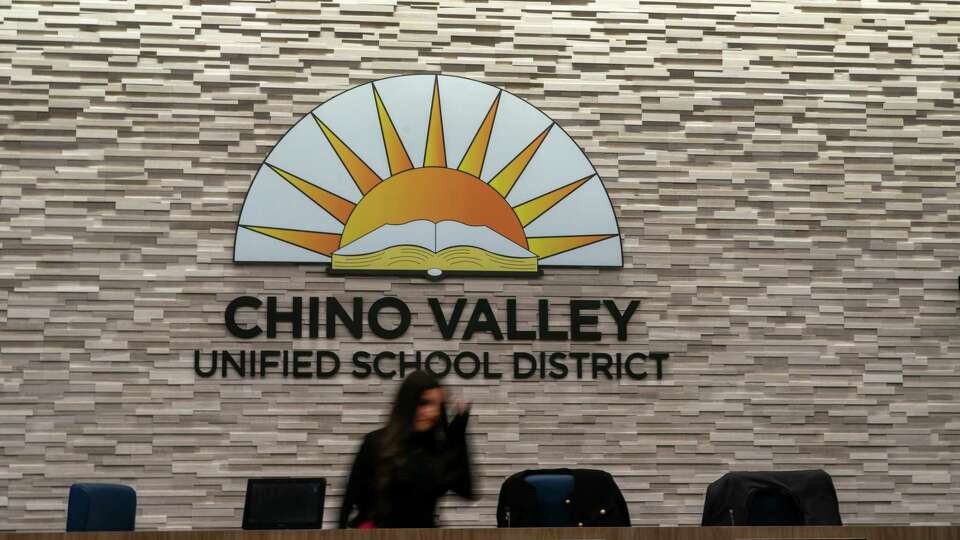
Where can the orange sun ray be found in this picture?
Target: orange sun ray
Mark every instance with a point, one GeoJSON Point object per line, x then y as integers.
{"type": "Point", "coordinates": [547, 246]}
{"type": "Point", "coordinates": [505, 179]}
{"type": "Point", "coordinates": [472, 162]}
{"type": "Point", "coordinates": [336, 206]}
{"type": "Point", "coordinates": [435, 155]}
{"type": "Point", "coordinates": [396, 153]}
{"type": "Point", "coordinates": [361, 173]}
{"type": "Point", "coordinates": [536, 207]}
{"type": "Point", "coordinates": [317, 242]}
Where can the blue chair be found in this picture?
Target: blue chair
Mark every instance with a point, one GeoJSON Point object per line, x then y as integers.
{"type": "Point", "coordinates": [101, 507]}
{"type": "Point", "coordinates": [553, 492]}
{"type": "Point", "coordinates": [561, 498]}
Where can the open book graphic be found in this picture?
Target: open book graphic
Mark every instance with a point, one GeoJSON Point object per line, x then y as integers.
{"type": "Point", "coordinates": [434, 248]}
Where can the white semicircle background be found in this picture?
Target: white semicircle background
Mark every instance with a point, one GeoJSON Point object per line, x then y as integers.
{"type": "Point", "coordinates": [304, 151]}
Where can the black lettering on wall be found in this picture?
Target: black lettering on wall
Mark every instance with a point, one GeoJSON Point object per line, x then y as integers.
{"type": "Point", "coordinates": [373, 318]}
{"type": "Point", "coordinates": [447, 326]}
{"type": "Point", "coordinates": [230, 317]}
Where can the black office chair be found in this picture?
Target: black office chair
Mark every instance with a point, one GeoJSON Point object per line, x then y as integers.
{"type": "Point", "coordinates": [785, 498]}
{"type": "Point", "coordinates": [561, 498]}
{"type": "Point", "coordinates": [101, 507]}
{"type": "Point", "coordinates": [552, 496]}
{"type": "Point", "coordinates": [773, 508]}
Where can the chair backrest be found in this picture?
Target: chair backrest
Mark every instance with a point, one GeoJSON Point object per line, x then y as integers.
{"type": "Point", "coordinates": [768, 507]}
{"type": "Point", "coordinates": [101, 507]}
{"type": "Point", "coordinates": [553, 498]}
{"type": "Point", "coordinates": [561, 498]}
{"type": "Point", "coordinates": [781, 498]}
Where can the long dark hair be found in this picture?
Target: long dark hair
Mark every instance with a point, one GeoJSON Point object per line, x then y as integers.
{"type": "Point", "coordinates": [395, 442]}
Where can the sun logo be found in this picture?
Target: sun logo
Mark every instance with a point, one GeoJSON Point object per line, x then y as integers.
{"type": "Point", "coordinates": [428, 174]}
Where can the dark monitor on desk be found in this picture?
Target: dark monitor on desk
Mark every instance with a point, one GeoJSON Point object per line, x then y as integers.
{"type": "Point", "coordinates": [284, 503]}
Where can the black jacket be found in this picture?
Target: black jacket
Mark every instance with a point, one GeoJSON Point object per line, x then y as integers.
{"type": "Point", "coordinates": [728, 499]}
{"type": "Point", "coordinates": [432, 468]}
{"type": "Point", "coordinates": [596, 501]}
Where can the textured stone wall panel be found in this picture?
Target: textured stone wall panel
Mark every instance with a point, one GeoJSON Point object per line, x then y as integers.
{"type": "Point", "coordinates": [784, 174]}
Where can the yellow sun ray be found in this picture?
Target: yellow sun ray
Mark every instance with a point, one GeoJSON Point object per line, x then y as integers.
{"type": "Point", "coordinates": [317, 242]}
{"type": "Point", "coordinates": [505, 179]}
{"type": "Point", "coordinates": [336, 206]}
{"type": "Point", "coordinates": [548, 246]}
{"type": "Point", "coordinates": [361, 173]}
{"type": "Point", "coordinates": [435, 155]}
{"type": "Point", "coordinates": [534, 208]}
{"type": "Point", "coordinates": [472, 162]}
{"type": "Point", "coordinates": [396, 153]}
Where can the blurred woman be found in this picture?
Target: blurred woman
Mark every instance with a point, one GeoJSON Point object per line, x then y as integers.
{"type": "Point", "coordinates": [402, 469]}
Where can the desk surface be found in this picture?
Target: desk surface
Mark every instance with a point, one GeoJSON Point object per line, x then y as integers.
{"type": "Point", "coordinates": [633, 533]}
